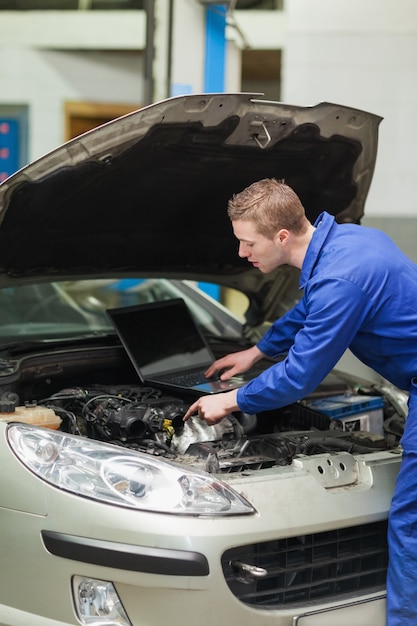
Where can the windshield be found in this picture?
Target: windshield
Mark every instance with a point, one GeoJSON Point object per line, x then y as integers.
{"type": "Point", "coordinates": [72, 308]}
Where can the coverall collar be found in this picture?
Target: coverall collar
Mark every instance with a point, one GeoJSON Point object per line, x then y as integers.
{"type": "Point", "coordinates": [323, 225]}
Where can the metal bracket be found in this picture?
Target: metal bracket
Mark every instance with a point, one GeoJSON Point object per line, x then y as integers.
{"type": "Point", "coordinates": [267, 137]}
{"type": "Point", "coordinates": [331, 470]}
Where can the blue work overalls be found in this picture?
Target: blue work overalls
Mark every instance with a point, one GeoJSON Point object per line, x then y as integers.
{"type": "Point", "coordinates": [360, 292]}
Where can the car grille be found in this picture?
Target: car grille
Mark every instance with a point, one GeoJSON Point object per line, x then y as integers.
{"type": "Point", "coordinates": [308, 568]}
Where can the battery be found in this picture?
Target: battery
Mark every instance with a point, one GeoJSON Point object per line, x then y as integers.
{"type": "Point", "coordinates": [354, 413]}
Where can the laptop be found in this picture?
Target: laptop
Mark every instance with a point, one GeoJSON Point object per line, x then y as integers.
{"type": "Point", "coordinates": [167, 348]}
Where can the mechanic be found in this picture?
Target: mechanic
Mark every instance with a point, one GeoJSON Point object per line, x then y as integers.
{"type": "Point", "coordinates": [360, 292]}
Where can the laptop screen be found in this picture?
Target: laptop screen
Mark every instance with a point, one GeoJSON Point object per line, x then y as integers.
{"type": "Point", "coordinates": [160, 337]}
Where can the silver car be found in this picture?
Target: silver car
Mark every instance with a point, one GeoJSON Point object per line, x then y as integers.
{"type": "Point", "coordinates": [112, 509]}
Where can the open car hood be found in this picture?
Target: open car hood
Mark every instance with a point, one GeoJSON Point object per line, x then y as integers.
{"type": "Point", "coordinates": [147, 193]}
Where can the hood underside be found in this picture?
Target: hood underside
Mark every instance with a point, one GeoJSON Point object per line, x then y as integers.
{"type": "Point", "coordinates": [148, 192]}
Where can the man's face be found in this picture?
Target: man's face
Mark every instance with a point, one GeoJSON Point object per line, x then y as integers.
{"type": "Point", "coordinates": [265, 254]}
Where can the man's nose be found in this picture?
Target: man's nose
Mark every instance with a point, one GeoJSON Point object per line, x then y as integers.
{"type": "Point", "coordinates": [243, 252]}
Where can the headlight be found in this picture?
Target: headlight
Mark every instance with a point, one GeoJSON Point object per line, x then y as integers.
{"type": "Point", "coordinates": [121, 477]}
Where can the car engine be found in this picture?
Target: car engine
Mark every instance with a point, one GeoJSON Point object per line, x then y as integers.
{"type": "Point", "coordinates": [148, 420]}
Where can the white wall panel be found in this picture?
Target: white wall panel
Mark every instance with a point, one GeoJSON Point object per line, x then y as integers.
{"type": "Point", "coordinates": [45, 79]}
{"type": "Point", "coordinates": [103, 30]}
{"type": "Point", "coordinates": [362, 53]}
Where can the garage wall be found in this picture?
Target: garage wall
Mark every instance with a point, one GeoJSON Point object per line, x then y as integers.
{"type": "Point", "coordinates": [50, 57]}
{"type": "Point", "coordinates": [362, 53]}
{"type": "Point", "coordinates": [45, 79]}
{"type": "Point", "coordinates": [357, 52]}
{"type": "Point", "coordinates": [402, 230]}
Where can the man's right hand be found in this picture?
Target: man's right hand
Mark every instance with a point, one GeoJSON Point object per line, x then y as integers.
{"type": "Point", "coordinates": [235, 363]}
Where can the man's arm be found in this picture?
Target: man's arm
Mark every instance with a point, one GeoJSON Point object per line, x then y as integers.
{"type": "Point", "coordinates": [279, 338]}
{"type": "Point", "coordinates": [336, 311]}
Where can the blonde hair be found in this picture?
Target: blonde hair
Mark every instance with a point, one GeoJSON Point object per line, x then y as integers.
{"type": "Point", "coordinates": [270, 205]}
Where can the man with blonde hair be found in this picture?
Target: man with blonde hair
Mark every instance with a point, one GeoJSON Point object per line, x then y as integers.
{"type": "Point", "coordinates": [360, 292]}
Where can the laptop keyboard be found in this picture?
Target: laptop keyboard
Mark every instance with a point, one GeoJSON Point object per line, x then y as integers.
{"type": "Point", "coordinates": [186, 379]}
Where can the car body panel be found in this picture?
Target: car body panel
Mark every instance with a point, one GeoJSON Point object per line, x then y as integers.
{"type": "Point", "coordinates": [280, 505]}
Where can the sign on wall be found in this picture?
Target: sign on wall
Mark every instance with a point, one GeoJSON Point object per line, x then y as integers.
{"type": "Point", "coordinates": [9, 147]}
{"type": "Point", "coordinates": [13, 139]}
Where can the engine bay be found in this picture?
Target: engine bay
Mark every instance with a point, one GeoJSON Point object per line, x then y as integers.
{"type": "Point", "coordinates": [77, 386]}
{"type": "Point", "coordinates": [147, 420]}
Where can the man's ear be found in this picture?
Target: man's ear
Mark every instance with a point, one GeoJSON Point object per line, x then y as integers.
{"type": "Point", "coordinates": [283, 236]}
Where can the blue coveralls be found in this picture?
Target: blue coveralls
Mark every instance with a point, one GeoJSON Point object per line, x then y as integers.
{"type": "Point", "coordinates": [360, 292]}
